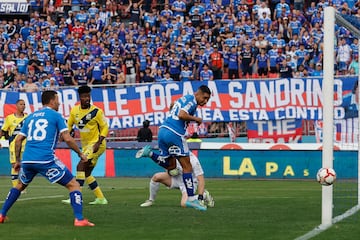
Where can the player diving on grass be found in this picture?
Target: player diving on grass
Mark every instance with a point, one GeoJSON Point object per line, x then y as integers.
{"type": "Point", "coordinates": [172, 142]}
{"type": "Point", "coordinates": [176, 182]}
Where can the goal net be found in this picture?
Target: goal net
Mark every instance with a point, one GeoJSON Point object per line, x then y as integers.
{"type": "Point", "coordinates": [342, 199]}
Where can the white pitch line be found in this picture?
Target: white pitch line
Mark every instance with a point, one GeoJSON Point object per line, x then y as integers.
{"type": "Point", "coordinates": [319, 229]}
{"type": "Point", "coordinates": [37, 198]}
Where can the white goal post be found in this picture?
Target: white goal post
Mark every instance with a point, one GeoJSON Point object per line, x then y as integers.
{"type": "Point", "coordinates": [328, 109]}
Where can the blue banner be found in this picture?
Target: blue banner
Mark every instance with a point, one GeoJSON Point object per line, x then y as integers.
{"type": "Point", "coordinates": [241, 100]}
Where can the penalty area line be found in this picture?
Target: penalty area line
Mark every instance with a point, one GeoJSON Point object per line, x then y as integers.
{"type": "Point", "coordinates": [37, 198]}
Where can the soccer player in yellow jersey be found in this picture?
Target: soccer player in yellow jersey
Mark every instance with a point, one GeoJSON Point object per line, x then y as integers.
{"type": "Point", "coordinates": [93, 129]}
{"type": "Point", "coordinates": [10, 129]}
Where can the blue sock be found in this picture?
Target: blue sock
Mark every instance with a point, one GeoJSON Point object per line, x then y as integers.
{"type": "Point", "coordinates": [76, 204]}
{"type": "Point", "coordinates": [189, 184]}
{"type": "Point", "coordinates": [11, 198]}
{"type": "Point", "coordinates": [159, 160]}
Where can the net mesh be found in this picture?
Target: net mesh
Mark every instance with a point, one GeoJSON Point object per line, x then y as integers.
{"type": "Point", "coordinates": [345, 195]}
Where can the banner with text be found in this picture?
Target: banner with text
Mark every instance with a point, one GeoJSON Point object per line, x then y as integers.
{"type": "Point", "coordinates": [231, 101]}
{"type": "Point", "coordinates": [14, 7]}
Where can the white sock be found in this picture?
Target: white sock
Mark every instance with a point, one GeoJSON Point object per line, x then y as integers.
{"type": "Point", "coordinates": [153, 189]}
{"type": "Point", "coordinates": [192, 198]}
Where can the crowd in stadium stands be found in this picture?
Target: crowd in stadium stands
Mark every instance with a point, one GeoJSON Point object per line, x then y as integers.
{"type": "Point", "coordinates": [77, 42]}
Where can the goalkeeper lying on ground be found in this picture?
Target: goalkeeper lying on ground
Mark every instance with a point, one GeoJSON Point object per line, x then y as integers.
{"type": "Point", "coordinates": [176, 182]}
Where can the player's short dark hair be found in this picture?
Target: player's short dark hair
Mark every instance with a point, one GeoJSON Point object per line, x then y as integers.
{"type": "Point", "coordinates": [47, 96]}
{"type": "Point", "coordinates": [84, 89]}
{"type": "Point", "coordinates": [205, 89]}
{"type": "Point", "coordinates": [146, 123]}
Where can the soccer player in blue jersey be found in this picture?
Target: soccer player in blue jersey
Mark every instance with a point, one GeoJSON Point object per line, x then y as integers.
{"type": "Point", "coordinates": [42, 130]}
{"type": "Point", "coordinates": [172, 142]}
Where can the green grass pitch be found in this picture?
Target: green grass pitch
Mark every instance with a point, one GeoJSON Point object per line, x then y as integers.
{"type": "Point", "coordinates": [275, 209]}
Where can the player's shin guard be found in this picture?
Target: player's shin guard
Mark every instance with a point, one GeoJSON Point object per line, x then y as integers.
{"type": "Point", "coordinates": [76, 204]}
{"type": "Point", "coordinates": [14, 180]}
{"type": "Point", "coordinates": [80, 178]}
{"type": "Point", "coordinates": [14, 177]}
{"type": "Point", "coordinates": [11, 198]}
{"type": "Point", "coordinates": [91, 181]}
{"type": "Point", "coordinates": [153, 189]}
{"type": "Point", "coordinates": [189, 184]}
{"type": "Point", "coordinates": [159, 160]}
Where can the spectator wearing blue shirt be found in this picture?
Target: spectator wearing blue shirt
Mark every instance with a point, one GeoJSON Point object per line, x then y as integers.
{"type": "Point", "coordinates": [50, 84]}
{"type": "Point", "coordinates": [61, 52]}
{"type": "Point", "coordinates": [179, 8]}
{"type": "Point", "coordinates": [197, 6]}
{"type": "Point", "coordinates": [290, 63]}
{"type": "Point", "coordinates": [206, 74]}
{"type": "Point", "coordinates": [318, 71]}
{"type": "Point", "coordinates": [280, 8]}
{"type": "Point", "coordinates": [75, 59]}
{"type": "Point", "coordinates": [274, 54]}
{"type": "Point", "coordinates": [262, 62]}
{"type": "Point", "coordinates": [97, 71]}
{"type": "Point", "coordinates": [311, 10]}
{"type": "Point", "coordinates": [82, 16]}
{"type": "Point", "coordinates": [234, 63]}
{"type": "Point", "coordinates": [294, 26]}
{"type": "Point", "coordinates": [301, 55]}
{"type": "Point", "coordinates": [25, 30]}
{"type": "Point", "coordinates": [22, 63]}
{"type": "Point", "coordinates": [106, 57]}
{"type": "Point", "coordinates": [93, 10]}
{"type": "Point", "coordinates": [158, 75]}
{"type": "Point", "coordinates": [167, 78]}
{"type": "Point", "coordinates": [186, 74]}
{"type": "Point", "coordinates": [166, 12]}
{"type": "Point", "coordinates": [42, 55]}
{"type": "Point", "coordinates": [280, 42]}
{"type": "Point", "coordinates": [294, 41]}
{"type": "Point", "coordinates": [75, 5]}
{"type": "Point", "coordinates": [59, 77]}
{"type": "Point", "coordinates": [151, 18]}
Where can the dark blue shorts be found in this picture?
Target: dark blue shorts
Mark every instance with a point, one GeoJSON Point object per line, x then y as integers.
{"type": "Point", "coordinates": [54, 171]}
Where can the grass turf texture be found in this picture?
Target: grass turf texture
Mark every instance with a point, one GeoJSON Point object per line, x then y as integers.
{"type": "Point", "coordinates": [243, 210]}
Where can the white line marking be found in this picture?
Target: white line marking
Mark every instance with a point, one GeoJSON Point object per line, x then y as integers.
{"type": "Point", "coordinates": [319, 229]}
{"type": "Point", "coordinates": [37, 198]}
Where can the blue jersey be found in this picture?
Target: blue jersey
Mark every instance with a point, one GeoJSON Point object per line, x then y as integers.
{"type": "Point", "coordinates": [188, 104]}
{"type": "Point", "coordinates": [42, 129]}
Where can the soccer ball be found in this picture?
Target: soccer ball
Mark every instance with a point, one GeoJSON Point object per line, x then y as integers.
{"type": "Point", "coordinates": [326, 176]}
